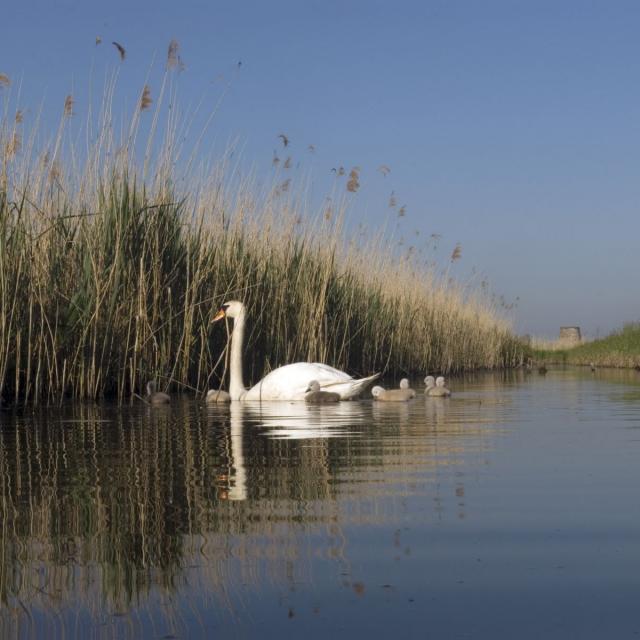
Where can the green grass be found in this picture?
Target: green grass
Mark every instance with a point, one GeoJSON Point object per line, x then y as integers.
{"type": "Point", "coordinates": [112, 265]}
{"type": "Point", "coordinates": [620, 349]}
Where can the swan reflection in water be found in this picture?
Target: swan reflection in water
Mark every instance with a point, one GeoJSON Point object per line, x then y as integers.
{"type": "Point", "coordinates": [300, 421]}
{"type": "Point", "coordinates": [280, 421]}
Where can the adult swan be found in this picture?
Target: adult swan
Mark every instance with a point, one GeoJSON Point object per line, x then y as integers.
{"type": "Point", "coordinates": [289, 382]}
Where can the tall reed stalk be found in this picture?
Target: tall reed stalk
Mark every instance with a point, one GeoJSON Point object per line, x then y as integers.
{"type": "Point", "coordinates": [112, 261]}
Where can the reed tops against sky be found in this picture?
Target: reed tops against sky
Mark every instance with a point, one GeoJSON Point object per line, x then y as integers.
{"type": "Point", "coordinates": [508, 128]}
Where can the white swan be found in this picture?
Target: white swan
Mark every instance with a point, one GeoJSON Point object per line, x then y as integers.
{"type": "Point", "coordinates": [289, 382]}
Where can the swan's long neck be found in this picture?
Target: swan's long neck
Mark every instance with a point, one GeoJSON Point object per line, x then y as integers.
{"type": "Point", "coordinates": [236, 385]}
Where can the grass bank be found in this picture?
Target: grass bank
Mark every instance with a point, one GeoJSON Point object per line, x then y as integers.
{"type": "Point", "coordinates": [114, 253]}
{"type": "Point", "coordinates": [620, 349]}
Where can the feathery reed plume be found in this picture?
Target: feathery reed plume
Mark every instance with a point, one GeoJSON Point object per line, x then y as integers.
{"type": "Point", "coordinates": [121, 50]}
{"type": "Point", "coordinates": [4, 80]}
{"type": "Point", "coordinates": [172, 55]}
{"type": "Point", "coordinates": [354, 180]}
{"type": "Point", "coordinates": [68, 105]}
{"type": "Point", "coordinates": [145, 99]}
{"type": "Point", "coordinates": [456, 254]}
{"type": "Point", "coordinates": [384, 170]}
{"type": "Point", "coordinates": [13, 146]}
{"type": "Point", "coordinates": [55, 172]}
{"type": "Point", "coordinates": [285, 185]}
{"type": "Point", "coordinates": [19, 116]}
{"type": "Point", "coordinates": [287, 163]}
{"type": "Point", "coordinates": [402, 211]}
{"type": "Point", "coordinates": [275, 160]}
{"type": "Point", "coordinates": [285, 140]}
{"type": "Point", "coordinates": [98, 40]}
{"type": "Point", "coordinates": [392, 200]}
{"type": "Point", "coordinates": [311, 148]}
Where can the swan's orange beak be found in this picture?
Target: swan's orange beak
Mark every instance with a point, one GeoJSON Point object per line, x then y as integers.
{"type": "Point", "coordinates": [221, 314]}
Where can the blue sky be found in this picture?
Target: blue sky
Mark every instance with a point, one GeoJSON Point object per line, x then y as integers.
{"type": "Point", "coordinates": [510, 127]}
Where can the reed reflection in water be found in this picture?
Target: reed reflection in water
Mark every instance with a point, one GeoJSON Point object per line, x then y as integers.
{"type": "Point", "coordinates": [109, 514]}
{"type": "Point", "coordinates": [183, 520]}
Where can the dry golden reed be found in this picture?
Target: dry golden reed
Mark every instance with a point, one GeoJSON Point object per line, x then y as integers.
{"type": "Point", "coordinates": [145, 99]}
{"type": "Point", "coordinates": [13, 145]}
{"type": "Point", "coordinates": [68, 105]}
{"type": "Point", "coordinates": [354, 180]}
{"type": "Point", "coordinates": [172, 54]}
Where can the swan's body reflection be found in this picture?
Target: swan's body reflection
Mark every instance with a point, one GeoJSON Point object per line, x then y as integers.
{"type": "Point", "coordinates": [299, 421]}
{"type": "Point", "coordinates": [284, 421]}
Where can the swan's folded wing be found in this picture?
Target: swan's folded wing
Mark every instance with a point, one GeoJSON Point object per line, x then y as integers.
{"type": "Point", "coordinates": [290, 382]}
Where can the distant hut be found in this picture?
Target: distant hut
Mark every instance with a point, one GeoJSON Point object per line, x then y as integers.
{"type": "Point", "coordinates": [570, 336]}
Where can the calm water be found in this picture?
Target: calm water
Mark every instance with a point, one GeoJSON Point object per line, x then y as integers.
{"type": "Point", "coordinates": [511, 510]}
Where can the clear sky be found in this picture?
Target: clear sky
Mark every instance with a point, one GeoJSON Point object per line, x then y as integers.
{"type": "Point", "coordinates": [510, 127]}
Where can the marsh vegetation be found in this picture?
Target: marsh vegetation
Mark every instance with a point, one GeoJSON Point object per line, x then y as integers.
{"type": "Point", "coordinates": [619, 349]}
{"type": "Point", "coordinates": [115, 251]}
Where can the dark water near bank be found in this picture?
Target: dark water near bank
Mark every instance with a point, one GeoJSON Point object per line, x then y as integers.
{"type": "Point", "coordinates": [511, 510]}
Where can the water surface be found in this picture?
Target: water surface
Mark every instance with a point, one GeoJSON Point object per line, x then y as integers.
{"type": "Point", "coordinates": [509, 510]}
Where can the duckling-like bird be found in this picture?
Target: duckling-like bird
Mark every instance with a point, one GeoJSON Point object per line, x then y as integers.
{"type": "Point", "coordinates": [316, 396]}
{"type": "Point", "coordinates": [217, 396]}
{"type": "Point", "coordinates": [156, 397]}
{"type": "Point", "coordinates": [439, 391]}
{"type": "Point", "coordinates": [430, 383]}
{"type": "Point", "coordinates": [404, 384]}
{"type": "Point", "coordinates": [392, 395]}
{"type": "Point", "coordinates": [542, 370]}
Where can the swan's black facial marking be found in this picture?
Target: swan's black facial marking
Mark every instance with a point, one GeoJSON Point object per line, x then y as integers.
{"type": "Point", "coordinates": [224, 307]}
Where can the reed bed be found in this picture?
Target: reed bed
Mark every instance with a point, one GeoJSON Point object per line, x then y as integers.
{"type": "Point", "coordinates": [114, 254]}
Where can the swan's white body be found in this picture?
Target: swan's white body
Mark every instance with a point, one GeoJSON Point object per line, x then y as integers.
{"type": "Point", "coordinates": [289, 382]}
